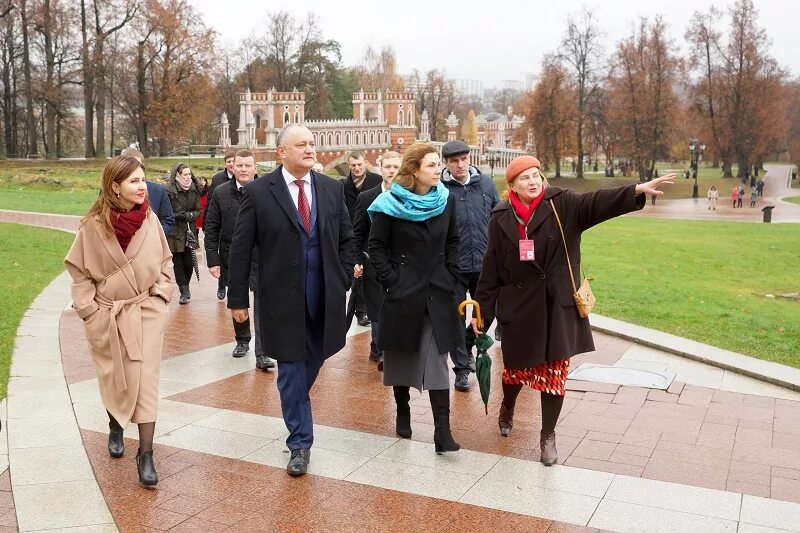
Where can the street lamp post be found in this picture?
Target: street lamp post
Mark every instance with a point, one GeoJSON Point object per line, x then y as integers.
{"type": "Point", "coordinates": [696, 149]}
{"type": "Point", "coordinates": [491, 160]}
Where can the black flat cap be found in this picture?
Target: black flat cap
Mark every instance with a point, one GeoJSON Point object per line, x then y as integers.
{"type": "Point", "coordinates": [452, 148]}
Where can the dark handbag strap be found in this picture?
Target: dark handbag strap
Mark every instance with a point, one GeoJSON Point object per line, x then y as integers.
{"type": "Point", "coordinates": [564, 240]}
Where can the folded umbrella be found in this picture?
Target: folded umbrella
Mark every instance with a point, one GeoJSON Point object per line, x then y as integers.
{"type": "Point", "coordinates": [483, 363]}
{"type": "Point", "coordinates": [192, 244]}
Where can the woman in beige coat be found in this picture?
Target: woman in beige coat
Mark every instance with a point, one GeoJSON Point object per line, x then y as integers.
{"type": "Point", "coordinates": [120, 265]}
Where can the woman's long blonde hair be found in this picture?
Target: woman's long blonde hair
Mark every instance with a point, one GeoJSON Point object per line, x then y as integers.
{"type": "Point", "coordinates": [117, 170]}
{"type": "Point", "coordinates": [412, 161]}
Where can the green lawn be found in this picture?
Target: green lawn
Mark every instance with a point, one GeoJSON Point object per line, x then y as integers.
{"type": "Point", "coordinates": [793, 199]}
{"type": "Point", "coordinates": [30, 258]}
{"type": "Point", "coordinates": [706, 281]}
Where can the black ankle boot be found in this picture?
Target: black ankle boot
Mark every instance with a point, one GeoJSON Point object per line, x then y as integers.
{"type": "Point", "coordinates": [147, 470]}
{"type": "Point", "coordinates": [403, 422]}
{"type": "Point", "coordinates": [185, 294]}
{"type": "Point", "coordinates": [442, 438]}
{"type": "Point", "coordinates": [116, 446]}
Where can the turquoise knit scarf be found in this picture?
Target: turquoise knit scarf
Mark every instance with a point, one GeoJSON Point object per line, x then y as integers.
{"type": "Point", "coordinates": [399, 202]}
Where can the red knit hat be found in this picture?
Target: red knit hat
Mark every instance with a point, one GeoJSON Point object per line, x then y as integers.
{"type": "Point", "coordinates": [520, 165]}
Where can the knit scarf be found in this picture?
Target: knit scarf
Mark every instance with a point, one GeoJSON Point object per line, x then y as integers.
{"type": "Point", "coordinates": [184, 183]}
{"type": "Point", "coordinates": [127, 223]}
{"type": "Point", "coordinates": [399, 202]}
{"type": "Point", "coordinates": [522, 213]}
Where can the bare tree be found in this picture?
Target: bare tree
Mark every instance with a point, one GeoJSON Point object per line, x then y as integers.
{"type": "Point", "coordinates": [30, 119]}
{"type": "Point", "coordinates": [581, 52]}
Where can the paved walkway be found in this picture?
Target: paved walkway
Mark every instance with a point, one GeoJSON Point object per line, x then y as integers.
{"type": "Point", "coordinates": [777, 186]}
{"type": "Point", "coordinates": [715, 452]}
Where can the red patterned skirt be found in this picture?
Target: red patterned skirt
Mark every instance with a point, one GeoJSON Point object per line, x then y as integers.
{"type": "Point", "coordinates": [550, 378]}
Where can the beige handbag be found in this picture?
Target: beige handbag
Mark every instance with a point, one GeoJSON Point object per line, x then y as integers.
{"type": "Point", "coordinates": [583, 295]}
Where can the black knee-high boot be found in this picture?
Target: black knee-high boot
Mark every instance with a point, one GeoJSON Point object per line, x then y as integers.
{"type": "Point", "coordinates": [116, 445]}
{"type": "Point", "coordinates": [403, 421]}
{"type": "Point", "coordinates": [551, 408]}
{"type": "Point", "coordinates": [442, 438]}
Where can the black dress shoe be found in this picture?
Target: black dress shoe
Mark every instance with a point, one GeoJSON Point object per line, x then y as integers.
{"type": "Point", "coordinates": [241, 350]}
{"type": "Point", "coordinates": [298, 463]}
{"type": "Point", "coordinates": [221, 294]}
{"type": "Point", "coordinates": [364, 321]}
{"type": "Point", "coordinates": [380, 363]}
{"type": "Point", "coordinates": [147, 470]}
{"type": "Point", "coordinates": [373, 356]}
{"type": "Point", "coordinates": [263, 362]}
{"type": "Point", "coordinates": [462, 382]}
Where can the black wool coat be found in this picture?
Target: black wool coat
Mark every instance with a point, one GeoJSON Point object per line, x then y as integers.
{"type": "Point", "coordinates": [417, 265]}
{"type": "Point", "coordinates": [534, 299]}
{"type": "Point", "coordinates": [186, 207]}
{"type": "Point", "coordinates": [268, 219]}
{"type": "Point", "coordinates": [371, 180]}
{"type": "Point", "coordinates": [373, 291]}
{"type": "Point", "coordinates": [221, 212]}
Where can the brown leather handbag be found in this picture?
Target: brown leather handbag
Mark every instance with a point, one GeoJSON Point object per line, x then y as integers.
{"type": "Point", "coordinates": [583, 295]}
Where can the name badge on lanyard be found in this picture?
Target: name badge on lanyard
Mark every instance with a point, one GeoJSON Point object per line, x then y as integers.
{"type": "Point", "coordinates": [526, 252]}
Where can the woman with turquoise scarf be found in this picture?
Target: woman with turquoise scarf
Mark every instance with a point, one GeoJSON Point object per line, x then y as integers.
{"type": "Point", "coordinates": [413, 248]}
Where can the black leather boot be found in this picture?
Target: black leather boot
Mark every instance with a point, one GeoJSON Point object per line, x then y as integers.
{"type": "Point", "coordinates": [185, 295]}
{"type": "Point", "coordinates": [116, 446]}
{"type": "Point", "coordinates": [147, 470]}
{"type": "Point", "coordinates": [403, 422]}
{"type": "Point", "coordinates": [442, 438]}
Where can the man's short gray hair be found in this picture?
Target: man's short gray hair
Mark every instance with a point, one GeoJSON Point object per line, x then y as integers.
{"type": "Point", "coordinates": [286, 131]}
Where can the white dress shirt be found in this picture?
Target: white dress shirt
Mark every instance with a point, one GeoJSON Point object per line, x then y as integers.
{"type": "Point", "coordinates": [294, 190]}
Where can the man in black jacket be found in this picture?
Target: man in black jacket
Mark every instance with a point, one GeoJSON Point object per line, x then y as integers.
{"type": "Point", "coordinates": [373, 292]}
{"type": "Point", "coordinates": [360, 179]}
{"type": "Point", "coordinates": [476, 196]}
{"type": "Point", "coordinates": [226, 176]}
{"type": "Point", "coordinates": [223, 207]}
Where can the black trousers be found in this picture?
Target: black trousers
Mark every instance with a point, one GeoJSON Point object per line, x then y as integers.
{"type": "Point", "coordinates": [467, 283]}
{"type": "Point", "coordinates": [182, 264]}
{"type": "Point", "coordinates": [242, 329]}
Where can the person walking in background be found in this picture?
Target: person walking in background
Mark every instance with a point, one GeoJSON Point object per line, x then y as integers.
{"type": "Point", "coordinates": [734, 195]}
{"type": "Point", "coordinates": [203, 202]}
{"type": "Point", "coordinates": [713, 196]}
{"type": "Point", "coordinates": [183, 190]}
{"type": "Point", "coordinates": [413, 247]}
{"type": "Point", "coordinates": [526, 273]}
{"type": "Point", "coordinates": [221, 219]}
{"type": "Point", "coordinates": [760, 187]}
{"type": "Point", "coordinates": [739, 196]}
{"type": "Point", "coordinates": [156, 195]}
{"type": "Point", "coordinates": [357, 181]}
{"type": "Point", "coordinates": [121, 289]}
{"type": "Point", "coordinates": [373, 292]}
{"type": "Point", "coordinates": [475, 196]}
{"type": "Point", "coordinates": [224, 176]}
{"type": "Point", "coordinates": [298, 219]}
{"type": "Point", "coordinates": [753, 196]}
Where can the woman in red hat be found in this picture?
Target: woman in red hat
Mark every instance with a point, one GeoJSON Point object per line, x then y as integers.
{"type": "Point", "coordinates": [525, 274]}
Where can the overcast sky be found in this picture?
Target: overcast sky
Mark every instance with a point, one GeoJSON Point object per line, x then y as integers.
{"type": "Point", "coordinates": [490, 40]}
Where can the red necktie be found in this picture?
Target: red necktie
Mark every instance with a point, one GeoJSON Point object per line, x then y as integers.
{"type": "Point", "coordinates": [302, 206]}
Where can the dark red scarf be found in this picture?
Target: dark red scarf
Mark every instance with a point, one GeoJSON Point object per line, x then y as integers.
{"type": "Point", "coordinates": [127, 223]}
{"type": "Point", "coordinates": [523, 213]}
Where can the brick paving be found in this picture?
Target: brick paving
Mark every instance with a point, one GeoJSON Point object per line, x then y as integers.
{"type": "Point", "coordinates": [8, 515]}
{"type": "Point", "coordinates": [207, 493]}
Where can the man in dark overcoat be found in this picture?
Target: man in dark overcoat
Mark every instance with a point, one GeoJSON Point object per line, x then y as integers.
{"type": "Point", "coordinates": [359, 180]}
{"type": "Point", "coordinates": [220, 220]}
{"type": "Point", "coordinates": [225, 176]}
{"type": "Point", "coordinates": [373, 292]}
{"type": "Point", "coordinates": [306, 250]}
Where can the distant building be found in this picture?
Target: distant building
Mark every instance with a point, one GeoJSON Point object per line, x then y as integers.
{"type": "Point", "coordinates": [382, 121]}
{"type": "Point", "coordinates": [469, 88]}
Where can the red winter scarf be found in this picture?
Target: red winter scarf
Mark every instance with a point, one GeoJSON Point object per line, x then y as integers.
{"type": "Point", "coordinates": [522, 213]}
{"type": "Point", "coordinates": [127, 223]}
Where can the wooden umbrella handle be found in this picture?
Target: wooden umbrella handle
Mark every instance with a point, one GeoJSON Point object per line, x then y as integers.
{"type": "Point", "coordinates": [477, 308]}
